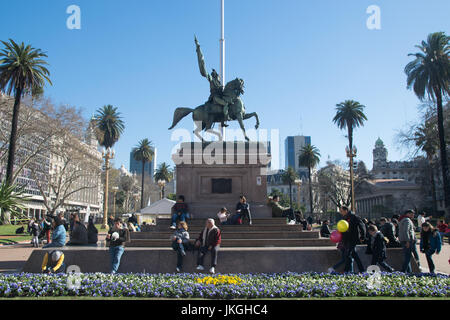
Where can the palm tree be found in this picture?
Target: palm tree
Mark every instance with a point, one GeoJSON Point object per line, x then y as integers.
{"type": "Point", "coordinates": [429, 75]}
{"type": "Point", "coordinates": [289, 176]}
{"type": "Point", "coordinates": [143, 152]}
{"type": "Point", "coordinates": [11, 201]}
{"type": "Point", "coordinates": [425, 137]}
{"type": "Point", "coordinates": [163, 173]}
{"type": "Point", "coordinates": [22, 71]}
{"type": "Point", "coordinates": [350, 115]}
{"type": "Point", "coordinates": [108, 127]}
{"type": "Point", "coordinates": [309, 157]}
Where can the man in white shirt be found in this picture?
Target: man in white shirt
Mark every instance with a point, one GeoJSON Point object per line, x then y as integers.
{"type": "Point", "coordinates": [421, 219]}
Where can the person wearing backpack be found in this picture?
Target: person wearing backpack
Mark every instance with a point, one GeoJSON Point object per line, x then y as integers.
{"type": "Point", "coordinates": [53, 262]}
{"type": "Point", "coordinates": [378, 248]}
{"type": "Point", "coordinates": [355, 235]}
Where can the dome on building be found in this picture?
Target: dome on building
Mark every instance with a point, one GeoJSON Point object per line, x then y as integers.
{"type": "Point", "coordinates": [379, 143]}
{"type": "Point", "coordinates": [124, 171]}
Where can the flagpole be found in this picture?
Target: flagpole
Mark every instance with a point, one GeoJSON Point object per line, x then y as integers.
{"type": "Point", "coordinates": [222, 52]}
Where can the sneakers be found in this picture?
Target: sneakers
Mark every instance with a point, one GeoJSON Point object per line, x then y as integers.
{"type": "Point", "coordinates": [331, 270]}
{"type": "Point", "coordinates": [183, 253]}
{"type": "Point", "coordinates": [172, 227]}
{"type": "Point", "coordinates": [200, 268]}
{"type": "Point", "coordinates": [212, 270]}
{"type": "Point", "coordinates": [291, 222]}
{"type": "Point", "coordinates": [178, 269]}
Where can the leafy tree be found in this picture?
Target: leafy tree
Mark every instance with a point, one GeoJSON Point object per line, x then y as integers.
{"type": "Point", "coordinates": [12, 198]}
{"type": "Point", "coordinates": [163, 173]}
{"type": "Point", "coordinates": [309, 157]}
{"type": "Point", "coordinates": [22, 70]}
{"type": "Point", "coordinates": [350, 115]}
{"type": "Point", "coordinates": [289, 176]}
{"type": "Point", "coordinates": [143, 152]}
{"type": "Point", "coordinates": [429, 77]}
{"type": "Point", "coordinates": [108, 126]}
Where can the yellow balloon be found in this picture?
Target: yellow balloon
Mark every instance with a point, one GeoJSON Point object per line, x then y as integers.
{"type": "Point", "coordinates": [342, 226]}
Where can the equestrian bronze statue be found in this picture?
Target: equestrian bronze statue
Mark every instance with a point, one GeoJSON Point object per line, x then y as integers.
{"type": "Point", "coordinates": [224, 104]}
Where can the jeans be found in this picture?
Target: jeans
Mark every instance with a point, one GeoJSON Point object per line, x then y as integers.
{"type": "Point", "coordinates": [203, 251]}
{"type": "Point", "coordinates": [179, 249]}
{"type": "Point", "coordinates": [176, 216]}
{"type": "Point", "coordinates": [115, 254]}
{"type": "Point", "coordinates": [35, 241]}
{"type": "Point", "coordinates": [382, 263]}
{"type": "Point", "coordinates": [407, 256]}
{"type": "Point", "coordinates": [289, 213]}
{"type": "Point", "coordinates": [431, 266]}
{"type": "Point", "coordinates": [247, 215]}
{"type": "Point", "coordinates": [340, 262]}
{"type": "Point", "coordinates": [414, 252]}
{"type": "Point", "coordinates": [350, 255]}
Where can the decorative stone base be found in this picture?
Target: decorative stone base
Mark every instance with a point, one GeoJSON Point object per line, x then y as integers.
{"type": "Point", "coordinates": [214, 175]}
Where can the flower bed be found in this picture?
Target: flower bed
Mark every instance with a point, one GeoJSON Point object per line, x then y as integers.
{"type": "Point", "coordinates": [286, 285]}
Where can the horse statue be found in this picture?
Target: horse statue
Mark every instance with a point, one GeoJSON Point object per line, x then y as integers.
{"type": "Point", "coordinates": [224, 104]}
{"type": "Point", "coordinates": [207, 114]}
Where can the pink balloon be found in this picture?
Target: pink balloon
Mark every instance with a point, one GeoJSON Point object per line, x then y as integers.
{"type": "Point", "coordinates": [335, 236]}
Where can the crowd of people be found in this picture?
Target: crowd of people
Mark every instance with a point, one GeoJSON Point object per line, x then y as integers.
{"type": "Point", "coordinates": [397, 232]}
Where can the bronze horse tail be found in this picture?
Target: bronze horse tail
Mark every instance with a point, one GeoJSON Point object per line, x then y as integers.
{"type": "Point", "coordinates": [179, 114]}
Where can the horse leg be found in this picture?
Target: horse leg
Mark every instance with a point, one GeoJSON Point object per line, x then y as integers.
{"type": "Point", "coordinates": [209, 129]}
{"type": "Point", "coordinates": [250, 115]}
{"type": "Point", "coordinates": [241, 124]}
{"type": "Point", "coordinates": [197, 131]}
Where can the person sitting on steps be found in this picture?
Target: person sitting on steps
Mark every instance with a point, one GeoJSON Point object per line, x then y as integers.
{"type": "Point", "coordinates": [278, 211]}
{"type": "Point", "coordinates": [180, 243]}
{"type": "Point", "coordinates": [179, 212]}
{"type": "Point", "coordinates": [208, 241]}
{"type": "Point", "coordinates": [243, 208]}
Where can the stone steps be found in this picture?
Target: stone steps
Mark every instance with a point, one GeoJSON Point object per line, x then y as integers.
{"type": "Point", "coordinates": [195, 222]}
{"type": "Point", "coordinates": [237, 228]}
{"type": "Point", "coordinates": [230, 243]}
{"type": "Point", "coordinates": [233, 235]}
{"type": "Point", "coordinates": [264, 232]}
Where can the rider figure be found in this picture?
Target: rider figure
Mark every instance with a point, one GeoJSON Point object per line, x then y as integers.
{"type": "Point", "coordinates": [216, 90]}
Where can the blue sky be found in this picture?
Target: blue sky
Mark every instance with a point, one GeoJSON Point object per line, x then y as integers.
{"type": "Point", "coordinates": [298, 59]}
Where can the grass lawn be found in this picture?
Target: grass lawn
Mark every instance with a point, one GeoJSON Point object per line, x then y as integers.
{"type": "Point", "coordinates": [8, 234]}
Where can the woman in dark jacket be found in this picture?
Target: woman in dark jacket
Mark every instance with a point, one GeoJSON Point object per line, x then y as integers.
{"type": "Point", "coordinates": [430, 243]}
{"type": "Point", "coordinates": [92, 232]}
{"type": "Point", "coordinates": [243, 208]}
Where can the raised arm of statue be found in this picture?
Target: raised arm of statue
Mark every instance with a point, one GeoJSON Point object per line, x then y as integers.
{"type": "Point", "coordinates": [201, 61]}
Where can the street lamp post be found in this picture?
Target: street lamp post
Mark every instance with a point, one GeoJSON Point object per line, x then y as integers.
{"type": "Point", "coordinates": [108, 155]}
{"type": "Point", "coordinates": [135, 197]}
{"type": "Point", "coordinates": [351, 154]}
{"type": "Point", "coordinates": [298, 182]}
{"type": "Point", "coordinates": [114, 189]}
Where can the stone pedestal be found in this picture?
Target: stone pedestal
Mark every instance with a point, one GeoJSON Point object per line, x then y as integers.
{"type": "Point", "coordinates": [213, 175]}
